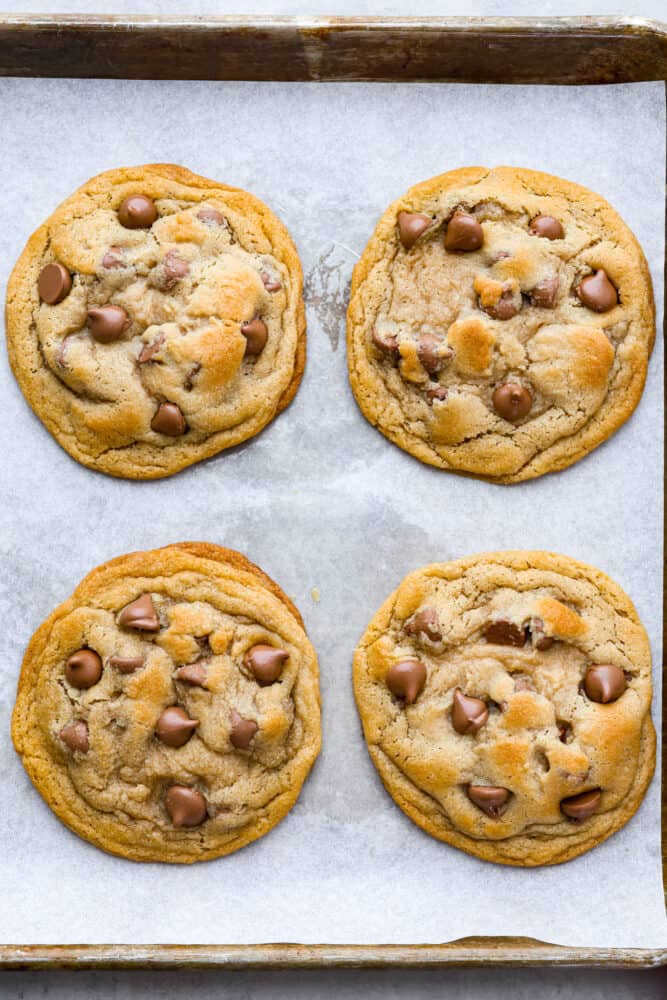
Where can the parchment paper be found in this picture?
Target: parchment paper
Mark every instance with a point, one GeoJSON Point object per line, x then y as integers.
{"type": "Point", "coordinates": [326, 506]}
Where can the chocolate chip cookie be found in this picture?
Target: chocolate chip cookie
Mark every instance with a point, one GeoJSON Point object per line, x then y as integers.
{"type": "Point", "coordinates": [500, 323]}
{"type": "Point", "coordinates": [169, 710]}
{"type": "Point", "coordinates": [155, 319]}
{"type": "Point", "coordinates": [505, 700]}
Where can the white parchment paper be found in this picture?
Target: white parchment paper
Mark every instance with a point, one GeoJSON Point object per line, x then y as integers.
{"type": "Point", "coordinates": [326, 506]}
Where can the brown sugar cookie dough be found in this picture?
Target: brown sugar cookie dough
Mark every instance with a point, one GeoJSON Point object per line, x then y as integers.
{"type": "Point", "coordinates": [500, 323]}
{"type": "Point", "coordinates": [170, 710]}
{"type": "Point", "coordinates": [505, 699]}
{"type": "Point", "coordinates": [155, 319]}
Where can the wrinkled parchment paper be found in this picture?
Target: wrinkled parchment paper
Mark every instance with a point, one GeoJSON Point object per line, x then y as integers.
{"type": "Point", "coordinates": [326, 506]}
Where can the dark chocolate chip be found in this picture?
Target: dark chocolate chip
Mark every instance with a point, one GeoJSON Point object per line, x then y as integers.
{"type": "Point", "coordinates": [432, 353]}
{"type": "Point", "coordinates": [385, 342]}
{"type": "Point", "coordinates": [175, 269]}
{"type": "Point", "coordinates": [137, 212]}
{"type": "Point", "coordinates": [83, 669]}
{"type": "Point", "coordinates": [544, 295]}
{"type": "Point", "coordinates": [175, 727]}
{"type": "Point", "coordinates": [411, 225]}
{"type": "Point", "coordinates": [406, 680]}
{"type": "Point", "coordinates": [75, 736]}
{"type": "Point", "coordinates": [186, 806]}
{"type": "Point", "coordinates": [256, 333]}
{"type": "Point", "coordinates": [580, 807]}
{"type": "Point", "coordinates": [489, 798]}
{"type": "Point", "coordinates": [505, 633]}
{"type": "Point", "coordinates": [463, 233]}
{"type": "Point", "coordinates": [547, 227]}
{"type": "Point", "coordinates": [169, 420]}
{"type": "Point", "coordinates": [468, 714]}
{"type": "Point", "coordinates": [604, 682]}
{"type": "Point", "coordinates": [140, 614]}
{"type": "Point", "coordinates": [108, 323]}
{"type": "Point", "coordinates": [425, 622]}
{"type": "Point", "coordinates": [242, 731]}
{"type": "Point", "coordinates": [512, 401]}
{"type": "Point", "coordinates": [265, 663]}
{"type": "Point", "coordinates": [126, 664]}
{"type": "Point", "coordinates": [211, 216]}
{"type": "Point", "coordinates": [597, 292]}
{"type": "Point", "coordinates": [113, 258]}
{"type": "Point", "coordinates": [192, 673]}
{"type": "Point", "coordinates": [54, 284]}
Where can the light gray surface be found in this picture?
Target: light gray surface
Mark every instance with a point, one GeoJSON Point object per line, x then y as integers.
{"type": "Point", "coordinates": [548, 985]}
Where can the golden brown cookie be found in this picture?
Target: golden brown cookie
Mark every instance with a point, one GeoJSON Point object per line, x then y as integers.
{"type": "Point", "coordinates": [505, 700]}
{"type": "Point", "coordinates": [500, 323]}
{"type": "Point", "coordinates": [155, 319]}
{"type": "Point", "coordinates": [170, 709]}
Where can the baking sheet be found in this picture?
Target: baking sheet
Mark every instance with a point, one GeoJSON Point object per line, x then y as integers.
{"type": "Point", "coordinates": [326, 506]}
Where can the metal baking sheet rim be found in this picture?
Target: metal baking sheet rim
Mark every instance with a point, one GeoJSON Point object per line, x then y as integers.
{"type": "Point", "coordinates": [472, 951]}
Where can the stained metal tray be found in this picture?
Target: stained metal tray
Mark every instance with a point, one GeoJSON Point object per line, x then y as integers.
{"type": "Point", "coordinates": [587, 50]}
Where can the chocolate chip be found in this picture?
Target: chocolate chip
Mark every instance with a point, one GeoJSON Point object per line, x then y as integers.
{"type": "Point", "coordinates": [410, 227]}
{"type": "Point", "coordinates": [387, 343]}
{"type": "Point", "coordinates": [192, 673]}
{"type": "Point", "coordinates": [597, 292]}
{"type": "Point", "coordinates": [54, 284]}
{"type": "Point", "coordinates": [169, 420]}
{"type": "Point", "coordinates": [211, 216]}
{"type": "Point", "coordinates": [512, 401]}
{"type": "Point", "coordinates": [255, 332]}
{"type": "Point", "coordinates": [406, 680]}
{"type": "Point", "coordinates": [75, 736]}
{"type": "Point", "coordinates": [504, 633]}
{"type": "Point", "coordinates": [424, 622]}
{"type": "Point", "coordinates": [604, 682]}
{"type": "Point", "coordinates": [538, 637]}
{"type": "Point", "coordinates": [242, 731]}
{"type": "Point", "coordinates": [126, 664]}
{"type": "Point", "coordinates": [544, 295]}
{"type": "Point", "coordinates": [432, 353]}
{"type": "Point", "coordinates": [265, 663]}
{"type": "Point", "coordinates": [270, 283]}
{"type": "Point", "coordinates": [580, 807]}
{"type": "Point", "coordinates": [113, 258]}
{"type": "Point", "coordinates": [438, 392]}
{"type": "Point", "coordinates": [137, 212]}
{"type": "Point", "coordinates": [140, 614]}
{"type": "Point", "coordinates": [83, 669]}
{"type": "Point", "coordinates": [175, 727]}
{"type": "Point", "coordinates": [148, 351]}
{"type": "Point", "coordinates": [108, 323]}
{"type": "Point", "coordinates": [489, 798]}
{"type": "Point", "coordinates": [175, 268]}
{"type": "Point", "coordinates": [508, 305]}
{"type": "Point", "coordinates": [186, 806]}
{"type": "Point", "coordinates": [547, 227]}
{"type": "Point", "coordinates": [468, 714]}
{"type": "Point", "coordinates": [463, 233]}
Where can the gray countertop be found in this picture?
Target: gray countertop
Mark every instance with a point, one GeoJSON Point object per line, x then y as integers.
{"type": "Point", "coordinates": [487, 984]}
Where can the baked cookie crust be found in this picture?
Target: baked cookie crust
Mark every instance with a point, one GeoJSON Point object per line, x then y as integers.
{"type": "Point", "coordinates": [500, 323]}
{"type": "Point", "coordinates": [505, 700]}
{"type": "Point", "coordinates": [147, 719]}
{"type": "Point", "coordinates": [206, 340]}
